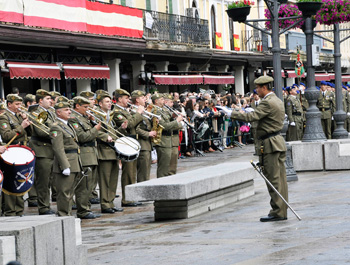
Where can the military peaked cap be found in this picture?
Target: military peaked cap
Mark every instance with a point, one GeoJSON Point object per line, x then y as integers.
{"type": "Point", "coordinates": [62, 105]}
{"type": "Point", "coordinates": [62, 99]}
{"type": "Point", "coordinates": [121, 92]}
{"type": "Point", "coordinates": [13, 97]}
{"type": "Point", "coordinates": [87, 94]}
{"type": "Point", "coordinates": [81, 100]}
{"type": "Point", "coordinates": [262, 80]}
{"type": "Point", "coordinates": [43, 93]}
{"type": "Point", "coordinates": [137, 93]}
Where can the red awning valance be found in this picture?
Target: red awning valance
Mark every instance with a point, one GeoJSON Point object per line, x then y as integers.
{"type": "Point", "coordinates": [33, 70]}
{"type": "Point", "coordinates": [76, 71]}
{"type": "Point", "coordinates": [292, 74]}
{"type": "Point", "coordinates": [178, 79]}
{"type": "Point", "coordinates": [322, 77]}
{"type": "Point", "coordinates": [282, 72]}
{"type": "Point", "coordinates": [218, 79]}
{"type": "Point", "coordinates": [345, 78]}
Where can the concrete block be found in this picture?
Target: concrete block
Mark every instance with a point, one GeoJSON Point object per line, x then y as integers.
{"type": "Point", "coordinates": [68, 239]}
{"type": "Point", "coordinates": [337, 154]}
{"type": "Point", "coordinates": [81, 256]}
{"type": "Point", "coordinates": [191, 184]}
{"type": "Point", "coordinates": [78, 236]}
{"type": "Point", "coordinates": [307, 156]}
{"type": "Point", "coordinates": [7, 249]}
{"type": "Point", "coordinates": [48, 243]}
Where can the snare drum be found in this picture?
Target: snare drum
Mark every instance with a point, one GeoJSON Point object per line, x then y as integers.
{"type": "Point", "coordinates": [127, 148]}
{"type": "Point", "coordinates": [17, 165]}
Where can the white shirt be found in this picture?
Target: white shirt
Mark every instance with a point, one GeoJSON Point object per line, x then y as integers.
{"type": "Point", "coordinates": [64, 121]}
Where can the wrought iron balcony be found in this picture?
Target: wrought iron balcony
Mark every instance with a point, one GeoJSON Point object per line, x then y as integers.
{"type": "Point", "coordinates": [252, 41]}
{"type": "Point", "coordinates": [175, 28]}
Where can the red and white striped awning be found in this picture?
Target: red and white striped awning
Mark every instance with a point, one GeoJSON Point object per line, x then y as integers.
{"type": "Point", "coordinates": [34, 70]}
{"type": "Point", "coordinates": [292, 74]}
{"type": "Point", "coordinates": [178, 79]}
{"type": "Point", "coordinates": [76, 71]}
{"type": "Point", "coordinates": [345, 78]}
{"type": "Point", "coordinates": [322, 77]}
{"type": "Point", "coordinates": [282, 72]}
{"type": "Point", "coordinates": [218, 79]}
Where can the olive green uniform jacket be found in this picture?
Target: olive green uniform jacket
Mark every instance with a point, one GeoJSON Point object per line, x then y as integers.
{"type": "Point", "coordinates": [272, 153]}
{"type": "Point", "coordinates": [144, 160]}
{"type": "Point", "coordinates": [326, 104]}
{"type": "Point", "coordinates": [10, 125]}
{"type": "Point", "coordinates": [294, 111]}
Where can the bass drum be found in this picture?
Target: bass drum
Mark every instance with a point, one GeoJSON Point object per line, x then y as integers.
{"type": "Point", "coordinates": [127, 148]}
{"type": "Point", "coordinates": [1, 181]}
{"type": "Point", "coordinates": [17, 165]}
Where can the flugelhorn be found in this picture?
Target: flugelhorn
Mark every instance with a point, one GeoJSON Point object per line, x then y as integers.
{"type": "Point", "coordinates": [37, 121]}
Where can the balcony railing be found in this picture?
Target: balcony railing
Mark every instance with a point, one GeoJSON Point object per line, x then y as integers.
{"type": "Point", "coordinates": [252, 41]}
{"type": "Point", "coordinates": [175, 28]}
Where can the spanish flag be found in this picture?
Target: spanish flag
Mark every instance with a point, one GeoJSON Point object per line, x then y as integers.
{"type": "Point", "coordinates": [218, 40]}
{"type": "Point", "coordinates": [236, 42]}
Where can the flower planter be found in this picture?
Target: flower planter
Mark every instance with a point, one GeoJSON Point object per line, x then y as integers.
{"type": "Point", "coordinates": [238, 14]}
{"type": "Point", "coordinates": [309, 8]}
{"type": "Point", "coordinates": [283, 1]}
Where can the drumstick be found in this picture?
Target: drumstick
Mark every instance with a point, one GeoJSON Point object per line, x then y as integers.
{"type": "Point", "coordinates": [12, 139]}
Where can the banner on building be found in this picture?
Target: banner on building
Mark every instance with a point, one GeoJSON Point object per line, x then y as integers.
{"type": "Point", "coordinates": [236, 42]}
{"type": "Point", "coordinates": [11, 11]}
{"type": "Point", "coordinates": [218, 41]}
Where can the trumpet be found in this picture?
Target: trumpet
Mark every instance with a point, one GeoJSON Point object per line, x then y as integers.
{"type": "Point", "coordinates": [37, 121]}
{"type": "Point", "coordinates": [184, 120]}
{"type": "Point", "coordinates": [146, 114]}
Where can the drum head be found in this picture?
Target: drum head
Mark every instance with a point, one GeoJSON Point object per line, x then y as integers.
{"type": "Point", "coordinates": [17, 155]}
{"type": "Point", "coordinates": [127, 146]}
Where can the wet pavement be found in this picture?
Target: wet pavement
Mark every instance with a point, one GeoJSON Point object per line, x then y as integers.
{"type": "Point", "coordinates": [233, 234]}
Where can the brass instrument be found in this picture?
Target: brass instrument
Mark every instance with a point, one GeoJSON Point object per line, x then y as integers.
{"type": "Point", "coordinates": [102, 114]}
{"type": "Point", "coordinates": [159, 129]}
{"type": "Point", "coordinates": [146, 114]}
{"type": "Point", "coordinates": [184, 120]}
{"type": "Point", "coordinates": [37, 120]}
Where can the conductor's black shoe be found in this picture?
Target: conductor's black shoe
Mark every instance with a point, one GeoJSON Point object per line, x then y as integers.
{"type": "Point", "coordinates": [138, 203]}
{"type": "Point", "coordinates": [32, 204]}
{"type": "Point", "coordinates": [117, 196]}
{"type": "Point", "coordinates": [271, 218]}
{"type": "Point", "coordinates": [89, 216]}
{"type": "Point", "coordinates": [108, 210]}
{"type": "Point", "coordinates": [48, 212]}
{"type": "Point", "coordinates": [95, 201]}
{"type": "Point", "coordinates": [117, 209]}
{"type": "Point", "coordinates": [74, 207]}
{"type": "Point", "coordinates": [53, 199]}
{"type": "Point", "coordinates": [130, 204]}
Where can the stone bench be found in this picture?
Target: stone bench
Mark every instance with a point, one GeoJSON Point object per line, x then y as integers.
{"type": "Point", "coordinates": [42, 240]}
{"type": "Point", "coordinates": [191, 193]}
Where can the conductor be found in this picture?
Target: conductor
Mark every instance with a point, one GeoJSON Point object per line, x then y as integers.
{"type": "Point", "coordinates": [272, 149]}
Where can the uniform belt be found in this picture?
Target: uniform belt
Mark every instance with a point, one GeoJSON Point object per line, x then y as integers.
{"type": "Point", "coordinates": [18, 142]}
{"type": "Point", "coordinates": [40, 139]}
{"type": "Point", "coordinates": [166, 133]}
{"type": "Point", "coordinates": [88, 144]}
{"type": "Point", "coordinates": [296, 113]}
{"type": "Point", "coordinates": [175, 132]}
{"type": "Point", "coordinates": [324, 109]}
{"type": "Point", "coordinates": [132, 136]}
{"type": "Point", "coordinates": [269, 135]}
{"type": "Point", "coordinates": [71, 151]}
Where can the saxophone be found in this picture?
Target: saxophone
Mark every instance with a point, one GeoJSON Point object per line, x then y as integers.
{"type": "Point", "coordinates": [158, 128]}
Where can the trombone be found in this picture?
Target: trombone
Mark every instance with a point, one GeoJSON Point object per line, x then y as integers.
{"type": "Point", "coordinates": [108, 127]}
{"type": "Point", "coordinates": [184, 120]}
{"type": "Point", "coordinates": [147, 114]}
{"type": "Point", "coordinates": [38, 121]}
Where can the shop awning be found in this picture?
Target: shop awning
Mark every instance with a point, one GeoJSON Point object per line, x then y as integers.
{"type": "Point", "coordinates": [33, 70]}
{"type": "Point", "coordinates": [292, 74]}
{"type": "Point", "coordinates": [322, 77]}
{"type": "Point", "coordinates": [282, 72]}
{"type": "Point", "coordinates": [345, 78]}
{"type": "Point", "coordinates": [76, 71]}
{"type": "Point", "coordinates": [218, 79]}
{"type": "Point", "coordinates": [178, 79]}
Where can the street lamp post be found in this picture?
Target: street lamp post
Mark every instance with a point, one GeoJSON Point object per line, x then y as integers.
{"type": "Point", "coordinates": [313, 130]}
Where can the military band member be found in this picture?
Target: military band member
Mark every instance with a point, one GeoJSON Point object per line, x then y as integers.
{"type": "Point", "coordinates": [346, 103]}
{"type": "Point", "coordinates": [122, 115]}
{"type": "Point", "coordinates": [175, 140]}
{"type": "Point", "coordinates": [40, 142]}
{"type": "Point", "coordinates": [108, 164]}
{"type": "Point", "coordinates": [326, 104]}
{"type": "Point", "coordinates": [272, 153]}
{"type": "Point", "coordinates": [67, 165]}
{"type": "Point", "coordinates": [145, 134]}
{"type": "Point", "coordinates": [294, 112]}
{"type": "Point", "coordinates": [54, 97]}
{"type": "Point", "coordinates": [87, 135]}
{"type": "Point", "coordinates": [254, 104]}
{"type": "Point", "coordinates": [13, 123]}
{"type": "Point", "coordinates": [164, 148]}
{"type": "Point", "coordinates": [93, 198]}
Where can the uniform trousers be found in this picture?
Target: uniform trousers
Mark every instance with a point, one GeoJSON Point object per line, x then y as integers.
{"type": "Point", "coordinates": [53, 186]}
{"type": "Point", "coordinates": [32, 195]}
{"type": "Point", "coordinates": [43, 171]}
{"type": "Point", "coordinates": [129, 170]}
{"type": "Point", "coordinates": [13, 205]}
{"type": "Point", "coordinates": [327, 126]}
{"type": "Point", "coordinates": [295, 133]}
{"type": "Point", "coordinates": [92, 182]}
{"type": "Point", "coordinates": [108, 171]}
{"type": "Point", "coordinates": [173, 160]}
{"type": "Point", "coordinates": [275, 171]}
{"type": "Point", "coordinates": [67, 186]}
{"type": "Point", "coordinates": [144, 166]}
{"type": "Point", "coordinates": [163, 160]}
